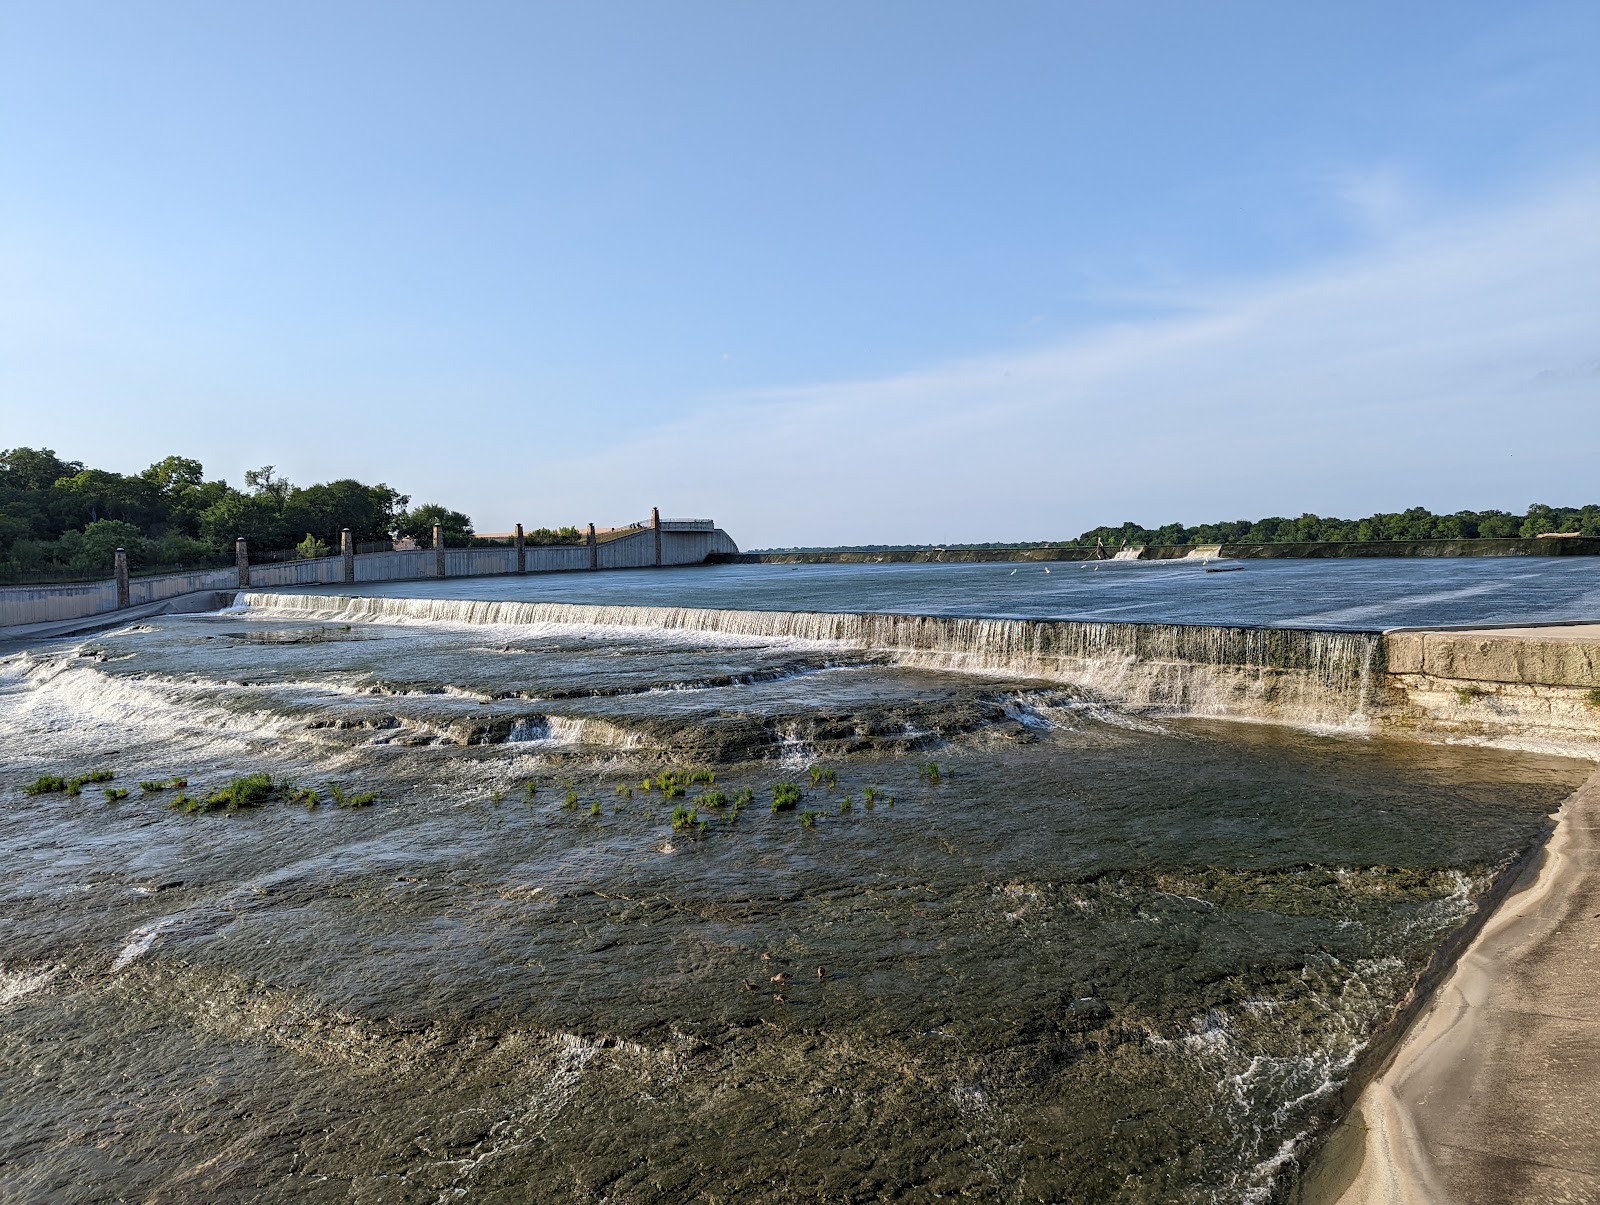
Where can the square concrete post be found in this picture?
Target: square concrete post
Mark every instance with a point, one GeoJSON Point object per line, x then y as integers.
{"type": "Point", "coordinates": [655, 522]}
{"type": "Point", "coordinates": [123, 597]}
{"type": "Point", "coordinates": [438, 550]}
{"type": "Point", "coordinates": [594, 548]}
{"type": "Point", "coordinates": [241, 556]}
{"type": "Point", "coordinates": [347, 547]}
{"type": "Point", "coordinates": [522, 551]}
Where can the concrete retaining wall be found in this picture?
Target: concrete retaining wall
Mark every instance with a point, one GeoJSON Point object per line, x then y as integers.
{"type": "Point", "coordinates": [43, 604]}
{"type": "Point", "coordinates": [1524, 686]}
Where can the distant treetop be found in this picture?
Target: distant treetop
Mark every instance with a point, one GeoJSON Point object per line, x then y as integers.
{"type": "Point", "coordinates": [1418, 523]}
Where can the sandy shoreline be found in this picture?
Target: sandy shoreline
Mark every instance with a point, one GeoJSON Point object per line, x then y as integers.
{"type": "Point", "coordinates": [1494, 1094]}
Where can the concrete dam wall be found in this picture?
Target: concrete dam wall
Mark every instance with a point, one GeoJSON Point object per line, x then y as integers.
{"type": "Point", "coordinates": [635, 550]}
{"type": "Point", "coordinates": [1530, 688]}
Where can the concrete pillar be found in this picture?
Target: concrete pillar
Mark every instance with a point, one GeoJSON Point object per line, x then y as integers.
{"type": "Point", "coordinates": [522, 551]}
{"type": "Point", "coordinates": [655, 522]}
{"type": "Point", "coordinates": [594, 548]}
{"type": "Point", "coordinates": [241, 556]}
{"type": "Point", "coordinates": [123, 597]}
{"type": "Point", "coordinates": [347, 546]}
{"type": "Point", "coordinates": [438, 550]}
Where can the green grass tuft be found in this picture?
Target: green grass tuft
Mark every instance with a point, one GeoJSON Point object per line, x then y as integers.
{"type": "Point", "coordinates": [45, 784]}
{"type": "Point", "coordinates": [116, 793]}
{"type": "Point", "coordinates": [785, 796]}
{"type": "Point", "coordinates": [248, 792]}
{"type": "Point", "coordinates": [808, 819]}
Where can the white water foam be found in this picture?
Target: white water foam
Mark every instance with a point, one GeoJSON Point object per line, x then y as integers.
{"type": "Point", "coordinates": [15, 985]}
{"type": "Point", "coordinates": [1321, 679]}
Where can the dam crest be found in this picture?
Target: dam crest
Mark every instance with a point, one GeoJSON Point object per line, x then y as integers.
{"type": "Point", "coordinates": [1519, 688]}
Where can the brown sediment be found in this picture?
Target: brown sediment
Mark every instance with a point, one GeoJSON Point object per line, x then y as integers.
{"type": "Point", "coordinates": [1493, 1095]}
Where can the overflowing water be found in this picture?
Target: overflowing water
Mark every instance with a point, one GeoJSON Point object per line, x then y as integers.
{"type": "Point", "coordinates": [1110, 950]}
{"type": "Point", "coordinates": [1351, 594]}
{"type": "Point", "coordinates": [1307, 677]}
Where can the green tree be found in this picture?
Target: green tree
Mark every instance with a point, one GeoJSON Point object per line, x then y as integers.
{"type": "Point", "coordinates": [418, 524]}
{"type": "Point", "coordinates": [264, 484]}
{"type": "Point", "coordinates": [253, 516]}
{"type": "Point", "coordinates": [96, 547]}
{"type": "Point", "coordinates": [310, 548]}
{"type": "Point", "coordinates": [175, 475]}
{"type": "Point", "coordinates": [371, 512]}
{"type": "Point", "coordinates": [34, 468]}
{"type": "Point", "coordinates": [1540, 519]}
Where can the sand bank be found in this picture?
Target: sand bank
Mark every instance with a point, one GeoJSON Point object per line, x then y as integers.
{"type": "Point", "coordinates": [1494, 1095]}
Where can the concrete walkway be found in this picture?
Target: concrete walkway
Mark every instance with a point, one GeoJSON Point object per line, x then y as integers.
{"type": "Point", "coordinates": [1494, 1096]}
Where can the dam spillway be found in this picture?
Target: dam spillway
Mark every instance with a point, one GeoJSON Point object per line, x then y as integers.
{"type": "Point", "coordinates": [1531, 688]}
{"type": "Point", "coordinates": [1312, 678]}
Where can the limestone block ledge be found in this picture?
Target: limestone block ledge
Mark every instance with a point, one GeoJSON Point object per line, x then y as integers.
{"type": "Point", "coordinates": [1558, 656]}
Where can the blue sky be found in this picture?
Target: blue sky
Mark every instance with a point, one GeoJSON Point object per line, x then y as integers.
{"type": "Point", "coordinates": [827, 272]}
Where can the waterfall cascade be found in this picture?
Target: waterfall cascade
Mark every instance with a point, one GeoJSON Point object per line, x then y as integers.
{"type": "Point", "coordinates": [1287, 675]}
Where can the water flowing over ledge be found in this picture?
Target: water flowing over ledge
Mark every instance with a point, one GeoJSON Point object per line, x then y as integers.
{"type": "Point", "coordinates": [1284, 675]}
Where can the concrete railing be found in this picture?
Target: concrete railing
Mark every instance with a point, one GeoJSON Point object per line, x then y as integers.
{"type": "Point", "coordinates": [639, 549]}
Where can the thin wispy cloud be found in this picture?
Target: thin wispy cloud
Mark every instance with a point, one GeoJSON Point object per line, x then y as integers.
{"type": "Point", "coordinates": [1443, 365]}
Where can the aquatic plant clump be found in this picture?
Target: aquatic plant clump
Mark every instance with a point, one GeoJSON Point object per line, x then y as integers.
{"type": "Point", "coordinates": [250, 791]}
{"type": "Point", "coordinates": [785, 796]}
{"type": "Point", "coordinates": [45, 784]}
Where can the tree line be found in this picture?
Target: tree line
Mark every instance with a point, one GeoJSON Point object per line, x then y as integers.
{"type": "Point", "coordinates": [59, 518]}
{"type": "Point", "coordinates": [1418, 523]}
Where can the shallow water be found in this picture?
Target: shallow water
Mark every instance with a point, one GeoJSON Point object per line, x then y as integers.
{"type": "Point", "coordinates": [1105, 957]}
{"type": "Point", "coordinates": [1348, 594]}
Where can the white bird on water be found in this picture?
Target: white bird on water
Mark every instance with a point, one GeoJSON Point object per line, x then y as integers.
{"type": "Point", "coordinates": [1047, 568]}
{"type": "Point", "coordinates": [1013, 573]}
